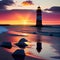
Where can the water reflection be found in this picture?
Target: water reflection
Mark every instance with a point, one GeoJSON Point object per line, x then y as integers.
{"type": "Point", "coordinates": [38, 44]}
{"type": "Point", "coordinates": [39, 47]}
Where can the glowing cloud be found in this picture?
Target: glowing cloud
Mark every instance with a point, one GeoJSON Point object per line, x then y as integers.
{"type": "Point", "coordinates": [27, 3]}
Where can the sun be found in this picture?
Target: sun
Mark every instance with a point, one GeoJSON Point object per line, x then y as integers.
{"type": "Point", "coordinates": [25, 22]}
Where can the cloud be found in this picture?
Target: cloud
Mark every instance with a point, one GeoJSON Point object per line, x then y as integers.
{"type": "Point", "coordinates": [4, 3]}
{"type": "Point", "coordinates": [27, 3]}
{"type": "Point", "coordinates": [54, 9]}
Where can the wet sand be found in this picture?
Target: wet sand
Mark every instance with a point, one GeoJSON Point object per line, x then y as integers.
{"type": "Point", "coordinates": [6, 54]}
{"type": "Point", "coordinates": [50, 45]}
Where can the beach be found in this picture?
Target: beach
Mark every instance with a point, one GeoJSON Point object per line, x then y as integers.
{"type": "Point", "coordinates": [47, 37]}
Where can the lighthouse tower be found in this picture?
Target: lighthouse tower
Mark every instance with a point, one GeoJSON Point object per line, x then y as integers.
{"type": "Point", "coordinates": [39, 17]}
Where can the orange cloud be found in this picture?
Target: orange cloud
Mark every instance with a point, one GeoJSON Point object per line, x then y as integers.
{"type": "Point", "coordinates": [27, 3]}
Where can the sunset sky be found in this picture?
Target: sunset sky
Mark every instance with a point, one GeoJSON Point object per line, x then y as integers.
{"type": "Point", "coordinates": [23, 12]}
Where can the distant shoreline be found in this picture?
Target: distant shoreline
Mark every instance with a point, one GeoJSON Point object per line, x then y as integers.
{"type": "Point", "coordinates": [29, 25]}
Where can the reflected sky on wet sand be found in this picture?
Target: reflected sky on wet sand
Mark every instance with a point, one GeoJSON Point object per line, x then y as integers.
{"type": "Point", "coordinates": [39, 46]}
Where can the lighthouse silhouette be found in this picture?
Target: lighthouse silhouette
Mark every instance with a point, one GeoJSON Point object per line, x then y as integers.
{"type": "Point", "coordinates": [38, 17]}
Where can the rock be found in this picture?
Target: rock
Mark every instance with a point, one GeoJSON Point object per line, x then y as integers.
{"type": "Point", "coordinates": [19, 55]}
{"type": "Point", "coordinates": [6, 45]}
{"type": "Point", "coordinates": [21, 43]}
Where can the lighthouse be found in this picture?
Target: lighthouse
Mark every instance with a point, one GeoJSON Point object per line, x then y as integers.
{"type": "Point", "coordinates": [39, 17]}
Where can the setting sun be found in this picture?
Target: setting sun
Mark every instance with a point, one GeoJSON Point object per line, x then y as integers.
{"type": "Point", "coordinates": [25, 22]}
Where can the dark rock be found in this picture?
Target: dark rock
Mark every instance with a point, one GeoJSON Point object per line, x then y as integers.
{"type": "Point", "coordinates": [22, 43]}
{"type": "Point", "coordinates": [19, 55]}
{"type": "Point", "coordinates": [6, 45]}
{"type": "Point", "coordinates": [22, 40]}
